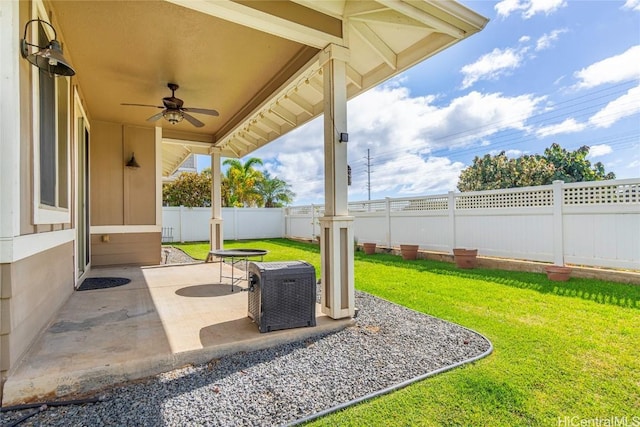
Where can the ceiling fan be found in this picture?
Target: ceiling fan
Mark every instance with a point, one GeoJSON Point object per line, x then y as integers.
{"type": "Point", "coordinates": [174, 112]}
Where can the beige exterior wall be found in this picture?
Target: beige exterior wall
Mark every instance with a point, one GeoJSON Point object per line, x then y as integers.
{"type": "Point", "coordinates": [37, 265]}
{"type": "Point", "coordinates": [34, 285]}
{"type": "Point", "coordinates": [126, 248]}
{"type": "Point", "coordinates": [32, 290]}
{"type": "Point", "coordinates": [106, 167]}
{"type": "Point", "coordinates": [140, 183]}
{"type": "Point", "coordinates": [122, 196]}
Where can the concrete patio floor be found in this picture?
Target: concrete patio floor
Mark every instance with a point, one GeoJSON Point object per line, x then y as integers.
{"type": "Point", "coordinates": [165, 318]}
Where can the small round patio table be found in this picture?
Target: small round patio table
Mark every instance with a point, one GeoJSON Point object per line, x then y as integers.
{"type": "Point", "coordinates": [236, 256]}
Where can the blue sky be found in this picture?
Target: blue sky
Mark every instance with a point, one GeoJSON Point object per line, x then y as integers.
{"type": "Point", "coordinates": [542, 71]}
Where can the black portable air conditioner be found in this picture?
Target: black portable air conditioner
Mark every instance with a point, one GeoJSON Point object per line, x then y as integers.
{"type": "Point", "coordinates": [282, 295]}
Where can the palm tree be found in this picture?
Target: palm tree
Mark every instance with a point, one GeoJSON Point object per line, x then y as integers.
{"type": "Point", "coordinates": [240, 181]}
{"type": "Point", "coordinates": [275, 192]}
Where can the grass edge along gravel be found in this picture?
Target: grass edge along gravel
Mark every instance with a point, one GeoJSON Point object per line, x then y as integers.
{"type": "Point", "coordinates": [564, 353]}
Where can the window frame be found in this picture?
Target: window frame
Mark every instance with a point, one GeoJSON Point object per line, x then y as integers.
{"type": "Point", "coordinates": [44, 213]}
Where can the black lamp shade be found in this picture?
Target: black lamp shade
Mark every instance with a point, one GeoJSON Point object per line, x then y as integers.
{"type": "Point", "coordinates": [52, 60]}
{"type": "Point", "coordinates": [132, 162]}
{"type": "Point", "coordinates": [47, 57]}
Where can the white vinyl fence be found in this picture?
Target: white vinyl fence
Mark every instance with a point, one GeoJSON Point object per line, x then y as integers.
{"type": "Point", "coordinates": [180, 224]}
{"type": "Point", "coordinates": [591, 223]}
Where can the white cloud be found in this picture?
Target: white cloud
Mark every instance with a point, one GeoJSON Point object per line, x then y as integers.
{"type": "Point", "coordinates": [567, 126]}
{"type": "Point", "coordinates": [475, 116]}
{"type": "Point", "coordinates": [410, 174]}
{"type": "Point", "coordinates": [514, 153]}
{"type": "Point", "coordinates": [401, 132]}
{"type": "Point", "coordinates": [599, 150]}
{"type": "Point", "coordinates": [492, 65]}
{"type": "Point", "coordinates": [505, 7]}
{"type": "Point", "coordinates": [509, 153]}
{"type": "Point", "coordinates": [614, 69]}
{"type": "Point", "coordinates": [632, 4]}
{"type": "Point", "coordinates": [548, 39]}
{"type": "Point", "coordinates": [625, 106]}
{"type": "Point", "coordinates": [529, 8]}
{"type": "Point", "coordinates": [524, 39]}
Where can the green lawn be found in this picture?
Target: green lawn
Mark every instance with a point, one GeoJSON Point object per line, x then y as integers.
{"type": "Point", "coordinates": [561, 349]}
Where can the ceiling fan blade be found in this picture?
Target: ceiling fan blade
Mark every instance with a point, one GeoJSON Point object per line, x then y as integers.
{"type": "Point", "coordinates": [155, 117]}
{"type": "Point", "coordinates": [197, 123]}
{"type": "Point", "coordinates": [143, 105]}
{"type": "Point", "coordinates": [202, 111]}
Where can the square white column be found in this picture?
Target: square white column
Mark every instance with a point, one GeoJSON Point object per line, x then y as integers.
{"type": "Point", "coordinates": [336, 227]}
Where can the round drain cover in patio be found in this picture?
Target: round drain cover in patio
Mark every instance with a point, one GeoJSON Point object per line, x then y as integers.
{"type": "Point", "coordinates": [91, 283]}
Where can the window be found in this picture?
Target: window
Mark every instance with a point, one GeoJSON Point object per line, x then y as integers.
{"type": "Point", "coordinates": [51, 140]}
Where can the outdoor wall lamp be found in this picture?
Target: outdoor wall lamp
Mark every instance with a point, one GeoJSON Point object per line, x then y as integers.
{"type": "Point", "coordinates": [132, 162]}
{"type": "Point", "coordinates": [48, 58]}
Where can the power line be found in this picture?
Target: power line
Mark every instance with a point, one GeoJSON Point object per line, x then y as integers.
{"type": "Point", "coordinates": [490, 128]}
{"type": "Point", "coordinates": [620, 140]}
{"type": "Point", "coordinates": [507, 138]}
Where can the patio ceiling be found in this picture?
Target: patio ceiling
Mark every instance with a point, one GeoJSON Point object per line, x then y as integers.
{"type": "Point", "coordinates": [256, 62]}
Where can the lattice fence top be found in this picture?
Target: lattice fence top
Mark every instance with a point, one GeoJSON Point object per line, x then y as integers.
{"type": "Point", "coordinates": [306, 210]}
{"type": "Point", "coordinates": [601, 194]}
{"type": "Point", "coordinates": [506, 199]}
{"type": "Point", "coordinates": [368, 206]}
{"type": "Point", "coordinates": [299, 210]}
{"type": "Point", "coordinates": [581, 193]}
{"type": "Point", "coordinates": [427, 204]}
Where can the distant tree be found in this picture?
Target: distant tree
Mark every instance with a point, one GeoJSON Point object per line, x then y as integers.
{"type": "Point", "coordinates": [239, 183]}
{"type": "Point", "coordinates": [241, 186]}
{"type": "Point", "coordinates": [573, 166]}
{"type": "Point", "coordinates": [190, 189]}
{"type": "Point", "coordinates": [494, 172]}
{"type": "Point", "coordinates": [274, 192]}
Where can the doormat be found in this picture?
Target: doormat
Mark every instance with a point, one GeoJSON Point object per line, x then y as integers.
{"type": "Point", "coordinates": [91, 283]}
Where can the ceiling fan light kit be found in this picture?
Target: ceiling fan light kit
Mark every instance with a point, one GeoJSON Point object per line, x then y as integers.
{"type": "Point", "coordinates": [173, 116]}
{"type": "Point", "coordinates": [173, 110]}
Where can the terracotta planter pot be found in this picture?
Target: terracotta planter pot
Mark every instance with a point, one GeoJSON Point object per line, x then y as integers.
{"type": "Point", "coordinates": [465, 258]}
{"type": "Point", "coordinates": [409, 252]}
{"type": "Point", "coordinates": [369, 248]}
{"type": "Point", "coordinates": [558, 273]}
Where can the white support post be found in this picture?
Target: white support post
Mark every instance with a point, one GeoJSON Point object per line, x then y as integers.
{"type": "Point", "coordinates": [451, 204]}
{"type": "Point", "coordinates": [181, 222]}
{"type": "Point", "coordinates": [10, 32]}
{"type": "Point", "coordinates": [387, 211]}
{"type": "Point", "coordinates": [336, 227]}
{"type": "Point", "coordinates": [215, 223]}
{"type": "Point", "coordinates": [558, 227]}
{"type": "Point", "coordinates": [236, 225]}
{"type": "Point", "coordinates": [158, 137]}
{"type": "Point", "coordinates": [313, 223]}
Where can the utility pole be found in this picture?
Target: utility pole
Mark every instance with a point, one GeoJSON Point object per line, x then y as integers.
{"type": "Point", "coordinates": [369, 173]}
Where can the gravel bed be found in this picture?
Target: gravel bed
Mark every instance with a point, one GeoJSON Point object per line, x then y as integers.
{"type": "Point", "coordinates": [171, 255]}
{"type": "Point", "coordinates": [389, 344]}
